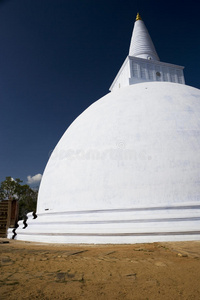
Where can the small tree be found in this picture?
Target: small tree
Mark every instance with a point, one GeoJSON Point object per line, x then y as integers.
{"type": "Point", "coordinates": [27, 200]}
{"type": "Point", "coordinates": [8, 188]}
{"type": "Point", "coordinates": [13, 189]}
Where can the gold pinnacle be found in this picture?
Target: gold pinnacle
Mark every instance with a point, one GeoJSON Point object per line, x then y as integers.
{"type": "Point", "coordinates": [138, 17]}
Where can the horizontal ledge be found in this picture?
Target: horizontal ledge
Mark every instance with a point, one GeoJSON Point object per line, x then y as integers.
{"type": "Point", "coordinates": [118, 221]}
{"type": "Point", "coordinates": [153, 208]}
{"type": "Point", "coordinates": [116, 234]}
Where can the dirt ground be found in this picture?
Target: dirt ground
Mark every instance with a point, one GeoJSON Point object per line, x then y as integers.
{"type": "Point", "coordinates": [140, 271]}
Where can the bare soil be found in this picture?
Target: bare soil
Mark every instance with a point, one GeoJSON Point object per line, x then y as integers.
{"type": "Point", "coordinates": [74, 272]}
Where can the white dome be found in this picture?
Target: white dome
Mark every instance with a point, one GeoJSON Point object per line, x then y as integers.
{"type": "Point", "coordinates": [138, 146]}
{"type": "Point", "coordinates": [131, 157]}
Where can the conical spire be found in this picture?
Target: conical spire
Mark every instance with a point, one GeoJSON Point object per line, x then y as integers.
{"type": "Point", "coordinates": [141, 43]}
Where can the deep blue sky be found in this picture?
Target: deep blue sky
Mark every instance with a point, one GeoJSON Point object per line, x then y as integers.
{"type": "Point", "coordinates": [59, 56]}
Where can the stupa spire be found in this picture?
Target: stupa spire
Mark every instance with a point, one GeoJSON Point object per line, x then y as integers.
{"type": "Point", "coordinates": [141, 43]}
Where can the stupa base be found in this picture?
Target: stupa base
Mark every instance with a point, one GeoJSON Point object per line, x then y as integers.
{"type": "Point", "coordinates": [114, 226]}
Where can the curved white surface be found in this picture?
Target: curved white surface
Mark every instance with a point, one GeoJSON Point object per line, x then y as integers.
{"type": "Point", "coordinates": [127, 170]}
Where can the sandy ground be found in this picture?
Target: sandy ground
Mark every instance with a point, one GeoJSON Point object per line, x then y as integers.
{"type": "Point", "coordinates": [141, 271]}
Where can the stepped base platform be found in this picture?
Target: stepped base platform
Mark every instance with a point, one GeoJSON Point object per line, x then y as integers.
{"type": "Point", "coordinates": [114, 226]}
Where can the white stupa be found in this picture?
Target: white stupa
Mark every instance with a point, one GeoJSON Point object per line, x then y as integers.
{"type": "Point", "coordinates": [127, 170]}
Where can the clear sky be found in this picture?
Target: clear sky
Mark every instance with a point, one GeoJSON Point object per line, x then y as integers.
{"type": "Point", "coordinates": [59, 56]}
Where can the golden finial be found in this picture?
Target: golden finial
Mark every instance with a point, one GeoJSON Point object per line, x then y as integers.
{"type": "Point", "coordinates": [138, 17]}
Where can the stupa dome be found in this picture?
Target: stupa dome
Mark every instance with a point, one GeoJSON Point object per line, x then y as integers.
{"type": "Point", "coordinates": [139, 146]}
